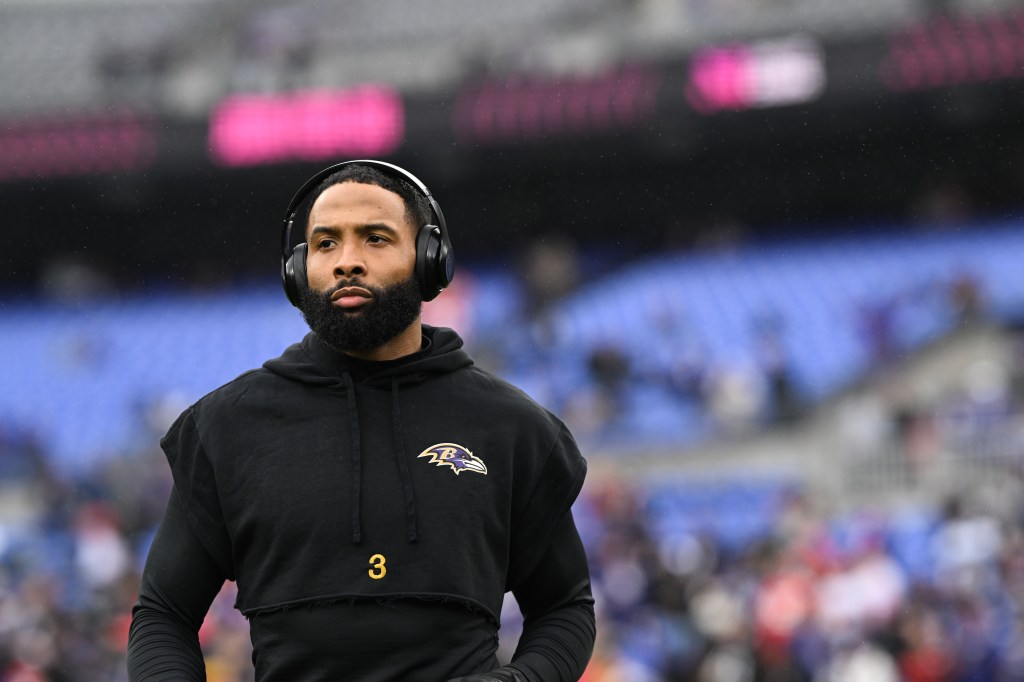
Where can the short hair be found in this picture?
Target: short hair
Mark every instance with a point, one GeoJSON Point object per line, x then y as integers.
{"type": "Point", "coordinates": [418, 210]}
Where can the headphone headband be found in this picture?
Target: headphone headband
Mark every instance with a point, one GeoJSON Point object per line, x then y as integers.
{"type": "Point", "coordinates": [388, 168]}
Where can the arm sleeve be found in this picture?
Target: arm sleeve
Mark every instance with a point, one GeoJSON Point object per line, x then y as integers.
{"type": "Point", "coordinates": [179, 582]}
{"type": "Point", "coordinates": [559, 627]}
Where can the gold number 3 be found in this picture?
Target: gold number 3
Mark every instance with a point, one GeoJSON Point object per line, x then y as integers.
{"type": "Point", "coordinates": [378, 571]}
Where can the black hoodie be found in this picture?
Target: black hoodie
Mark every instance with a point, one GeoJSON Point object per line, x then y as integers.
{"type": "Point", "coordinates": [320, 478]}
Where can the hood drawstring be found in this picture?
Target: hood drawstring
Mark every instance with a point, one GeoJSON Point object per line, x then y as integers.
{"type": "Point", "coordinates": [356, 455]}
{"type": "Point", "coordinates": [403, 466]}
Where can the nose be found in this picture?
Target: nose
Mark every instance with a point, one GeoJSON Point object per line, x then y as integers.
{"type": "Point", "coordinates": [349, 263]}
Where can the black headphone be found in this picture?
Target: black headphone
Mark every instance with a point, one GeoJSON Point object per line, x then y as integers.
{"type": "Point", "coordinates": [435, 263]}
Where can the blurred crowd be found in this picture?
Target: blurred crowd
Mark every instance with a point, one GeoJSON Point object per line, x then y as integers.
{"type": "Point", "coordinates": [802, 605]}
{"type": "Point", "coordinates": [816, 598]}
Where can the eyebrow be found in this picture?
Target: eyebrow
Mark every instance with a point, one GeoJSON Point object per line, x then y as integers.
{"type": "Point", "coordinates": [362, 229]}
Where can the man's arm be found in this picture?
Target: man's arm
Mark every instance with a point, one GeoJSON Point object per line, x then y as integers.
{"type": "Point", "coordinates": [179, 583]}
{"type": "Point", "coordinates": [559, 626]}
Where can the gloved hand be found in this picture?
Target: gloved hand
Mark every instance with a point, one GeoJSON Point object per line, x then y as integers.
{"type": "Point", "coordinates": [502, 674]}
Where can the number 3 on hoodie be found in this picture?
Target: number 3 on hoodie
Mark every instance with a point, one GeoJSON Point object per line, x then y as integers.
{"type": "Point", "coordinates": [378, 571]}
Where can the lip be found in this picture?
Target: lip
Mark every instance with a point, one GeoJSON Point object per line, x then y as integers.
{"type": "Point", "coordinates": [350, 291]}
{"type": "Point", "coordinates": [350, 297]}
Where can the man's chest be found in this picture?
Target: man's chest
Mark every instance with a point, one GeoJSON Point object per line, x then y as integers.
{"type": "Point", "coordinates": [316, 477]}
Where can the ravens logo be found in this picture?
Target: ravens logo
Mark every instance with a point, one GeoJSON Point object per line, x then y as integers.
{"type": "Point", "coordinates": [457, 457]}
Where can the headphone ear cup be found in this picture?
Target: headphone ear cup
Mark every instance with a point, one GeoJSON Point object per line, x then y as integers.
{"type": "Point", "coordinates": [294, 275]}
{"type": "Point", "coordinates": [428, 243]}
{"type": "Point", "coordinates": [445, 264]}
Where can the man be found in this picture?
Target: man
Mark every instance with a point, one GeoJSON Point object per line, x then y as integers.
{"type": "Point", "coordinates": [371, 491]}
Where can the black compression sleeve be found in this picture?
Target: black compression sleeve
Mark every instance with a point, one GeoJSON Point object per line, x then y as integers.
{"type": "Point", "coordinates": [559, 628]}
{"type": "Point", "coordinates": [179, 583]}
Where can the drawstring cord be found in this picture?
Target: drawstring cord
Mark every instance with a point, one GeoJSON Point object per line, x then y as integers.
{"type": "Point", "coordinates": [356, 459]}
{"type": "Point", "coordinates": [403, 466]}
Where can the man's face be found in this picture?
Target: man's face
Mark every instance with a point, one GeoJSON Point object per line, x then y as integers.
{"type": "Point", "coordinates": [362, 253]}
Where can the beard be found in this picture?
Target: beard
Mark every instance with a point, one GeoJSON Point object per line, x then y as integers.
{"type": "Point", "coordinates": [389, 312]}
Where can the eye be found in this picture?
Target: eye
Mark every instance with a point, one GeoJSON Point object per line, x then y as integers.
{"type": "Point", "coordinates": [325, 243]}
{"type": "Point", "coordinates": [376, 239]}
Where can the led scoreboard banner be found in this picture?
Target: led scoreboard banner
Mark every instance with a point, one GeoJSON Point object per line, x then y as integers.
{"type": "Point", "coordinates": [771, 73]}
{"type": "Point", "coordinates": [948, 51]}
{"type": "Point", "coordinates": [534, 107]}
{"type": "Point", "coordinates": [69, 145]}
{"type": "Point", "coordinates": [310, 125]}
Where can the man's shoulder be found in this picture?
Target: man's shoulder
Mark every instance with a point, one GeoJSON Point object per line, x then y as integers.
{"type": "Point", "coordinates": [252, 385]}
{"type": "Point", "coordinates": [494, 392]}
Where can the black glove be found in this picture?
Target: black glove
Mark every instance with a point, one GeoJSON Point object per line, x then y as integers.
{"type": "Point", "coordinates": [502, 674]}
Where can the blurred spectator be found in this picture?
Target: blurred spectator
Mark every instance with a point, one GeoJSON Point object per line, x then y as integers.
{"type": "Point", "coordinates": [865, 426]}
{"type": "Point", "coordinates": [724, 233]}
{"type": "Point", "coordinates": [71, 279]}
{"type": "Point", "coordinates": [101, 555]}
{"type": "Point", "coordinates": [965, 296]}
{"type": "Point", "coordinates": [966, 548]}
{"type": "Point", "coordinates": [23, 465]}
{"type": "Point", "coordinates": [784, 601]}
{"type": "Point", "coordinates": [609, 369]}
{"type": "Point", "coordinates": [775, 364]}
{"type": "Point", "coordinates": [877, 323]}
{"type": "Point", "coordinates": [860, 661]}
{"type": "Point", "coordinates": [1011, 665]}
{"type": "Point", "coordinates": [551, 270]}
{"type": "Point", "coordinates": [944, 201]}
{"type": "Point", "coordinates": [735, 396]}
{"type": "Point", "coordinates": [928, 656]}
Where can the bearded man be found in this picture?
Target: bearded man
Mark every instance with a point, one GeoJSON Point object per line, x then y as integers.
{"type": "Point", "coordinates": [372, 492]}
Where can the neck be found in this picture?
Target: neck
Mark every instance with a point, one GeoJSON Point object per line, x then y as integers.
{"type": "Point", "coordinates": [404, 343]}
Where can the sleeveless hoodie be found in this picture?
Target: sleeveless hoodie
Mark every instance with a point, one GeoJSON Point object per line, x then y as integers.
{"type": "Point", "coordinates": [321, 478]}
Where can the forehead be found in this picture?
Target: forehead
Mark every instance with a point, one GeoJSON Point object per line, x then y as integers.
{"type": "Point", "coordinates": [356, 203]}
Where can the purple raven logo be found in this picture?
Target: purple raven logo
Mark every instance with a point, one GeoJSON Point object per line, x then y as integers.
{"type": "Point", "coordinates": [457, 457]}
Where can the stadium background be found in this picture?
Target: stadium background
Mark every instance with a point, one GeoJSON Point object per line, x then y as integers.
{"type": "Point", "coordinates": [761, 256]}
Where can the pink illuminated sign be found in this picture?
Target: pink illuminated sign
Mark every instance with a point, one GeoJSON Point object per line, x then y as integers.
{"type": "Point", "coordinates": [765, 74]}
{"type": "Point", "coordinates": [75, 146]}
{"type": "Point", "coordinates": [954, 50]}
{"type": "Point", "coordinates": [534, 106]}
{"type": "Point", "coordinates": [247, 130]}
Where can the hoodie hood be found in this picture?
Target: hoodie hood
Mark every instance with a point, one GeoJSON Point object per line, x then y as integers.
{"type": "Point", "coordinates": [313, 362]}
